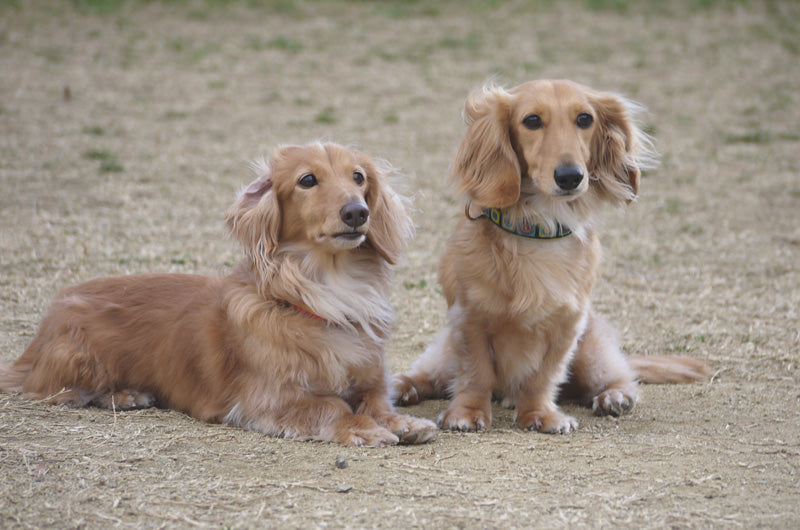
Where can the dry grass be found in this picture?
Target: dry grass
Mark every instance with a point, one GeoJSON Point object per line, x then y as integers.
{"type": "Point", "coordinates": [125, 132]}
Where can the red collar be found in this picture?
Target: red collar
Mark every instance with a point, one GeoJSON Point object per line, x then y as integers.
{"type": "Point", "coordinates": [303, 308]}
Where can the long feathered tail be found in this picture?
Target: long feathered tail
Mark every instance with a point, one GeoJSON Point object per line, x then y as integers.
{"type": "Point", "coordinates": [662, 369]}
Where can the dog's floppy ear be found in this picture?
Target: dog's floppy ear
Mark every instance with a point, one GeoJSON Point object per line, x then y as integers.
{"type": "Point", "coordinates": [486, 167]}
{"type": "Point", "coordinates": [619, 149]}
{"type": "Point", "coordinates": [390, 225]}
{"type": "Point", "coordinates": [254, 220]}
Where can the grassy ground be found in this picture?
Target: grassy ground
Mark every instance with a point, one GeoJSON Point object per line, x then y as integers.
{"type": "Point", "coordinates": [125, 131]}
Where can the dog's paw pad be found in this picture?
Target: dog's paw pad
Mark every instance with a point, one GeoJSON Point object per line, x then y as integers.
{"type": "Point", "coordinates": [378, 437]}
{"type": "Point", "coordinates": [421, 431]}
{"type": "Point", "coordinates": [548, 422]}
{"type": "Point", "coordinates": [404, 391]}
{"type": "Point", "coordinates": [613, 402]}
{"type": "Point", "coordinates": [125, 400]}
{"type": "Point", "coordinates": [410, 430]}
{"type": "Point", "coordinates": [465, 419]}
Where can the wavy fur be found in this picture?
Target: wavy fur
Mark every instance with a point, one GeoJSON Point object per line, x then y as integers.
{"type": "Point", "coordinates": [520, 326]}
{"type": "Point", "coordinates": [232, 349]}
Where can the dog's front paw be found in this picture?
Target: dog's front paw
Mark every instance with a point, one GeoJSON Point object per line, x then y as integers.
{"type": "Point", "coordinates": [466, 419]}
{"type": "Point", "coordinates": [614, 401]}
{"type": "Point", "coordinates": [378, 437]}
{"type": "Point", "coordinates": [410, 430]}
{"type": "Point", "coordinates": [549, 422]}
{"type": "Point", "coordinates": [360, 430]}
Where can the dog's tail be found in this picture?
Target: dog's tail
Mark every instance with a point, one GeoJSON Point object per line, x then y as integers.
{"type": "Point", "coordinates": [661, 369]}
{"type": "Point", "coordinates": [13, 376]}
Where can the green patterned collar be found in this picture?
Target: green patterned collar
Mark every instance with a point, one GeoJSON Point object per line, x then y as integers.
{"type": "Point", "coordinates": [523, 228]}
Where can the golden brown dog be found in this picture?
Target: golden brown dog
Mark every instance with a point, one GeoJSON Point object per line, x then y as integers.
{"type": "Point", "coordinates": [289, 344]}
{"type": "Point", "coordinates": [536, 164]}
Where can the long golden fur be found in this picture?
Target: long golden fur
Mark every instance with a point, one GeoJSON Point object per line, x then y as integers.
{"type": "Point", "coordinates": [290, 343]}
{"type": "Point", "coordinates": [520, 323]}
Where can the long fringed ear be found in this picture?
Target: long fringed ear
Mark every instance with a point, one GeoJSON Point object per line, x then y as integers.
{"type": "Point", "coordinates": [254, 220]}
{"type": "Point", "coordinates": [620, 150]}
{"type": "Point", "coordinates": [390, 225]}
{"type": "Point", "coordinates": [486, 167]}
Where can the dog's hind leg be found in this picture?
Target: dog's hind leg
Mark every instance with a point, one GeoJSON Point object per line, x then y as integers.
{"type": "Point", "coordinates": [59, 367]}
{"type": "Point", "coordinates": [599, 374]}
{"type": "Point", "coordinates": [430, 377]}
{"type": "Point", "coordinates": [117, 400]}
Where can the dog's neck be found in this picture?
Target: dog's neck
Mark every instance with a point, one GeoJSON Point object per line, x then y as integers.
{"type": "Point", "coordinates": [302, 308]}
{"type": "Point", "coordinates": [350, 291]}
{"type": "Point", "coordinates": [522, 227]}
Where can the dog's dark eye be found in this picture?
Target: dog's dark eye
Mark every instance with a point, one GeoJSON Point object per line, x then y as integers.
{"type": "Point", "coordinates": [358, 177]}
{"type": "Point", "coordinates": [532, 122]}
{"type": "Point", "coordinates": [584, 120]}
{"type": "Point", "coordinates": [307, 181]}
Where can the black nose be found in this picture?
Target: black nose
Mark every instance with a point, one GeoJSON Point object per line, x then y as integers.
{"type": "Point", "coordinates": [568, 177]}
{"type": "Point", "coordinates": [354, 214]}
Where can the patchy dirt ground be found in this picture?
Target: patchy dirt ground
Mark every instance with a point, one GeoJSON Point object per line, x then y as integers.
{"type": "Point", "coordinates": [125, 132]}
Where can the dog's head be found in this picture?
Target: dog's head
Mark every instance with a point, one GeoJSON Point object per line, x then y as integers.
{"type": "Point", "coordinates": [553, 139]}
{"type": "Point", "coordinates": [323, 197]}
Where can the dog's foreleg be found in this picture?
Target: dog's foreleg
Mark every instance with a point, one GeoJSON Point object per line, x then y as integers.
{"type": "Point", "coordinates": [471, 407]}
{"type": "Point", "coordinates": [430, 376]}
{"type": "Point", "coordinates": [536, 407]}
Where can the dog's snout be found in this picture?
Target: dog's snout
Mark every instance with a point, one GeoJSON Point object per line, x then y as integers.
{"type": "Point", "coordinates": [568, 177]}
{"type": "Point", "coordinates": [354, 214]}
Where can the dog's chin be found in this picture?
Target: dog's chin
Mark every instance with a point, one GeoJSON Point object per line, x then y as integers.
{"type": "Point", "coordinates": [528, 198]}
{"type": "Point", "coordinates": [568, 196]}
{"type": "Point", "coordinates": [345, 240]}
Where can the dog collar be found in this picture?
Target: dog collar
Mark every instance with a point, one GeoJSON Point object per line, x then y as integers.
{"type": "Point", "coordinates": [302, 308]}
{"type": "Point", "coordinates": [523, 228]}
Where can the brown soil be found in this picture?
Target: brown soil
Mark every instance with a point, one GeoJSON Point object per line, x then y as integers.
{"type": "Point", "coordinates": [125, 133]}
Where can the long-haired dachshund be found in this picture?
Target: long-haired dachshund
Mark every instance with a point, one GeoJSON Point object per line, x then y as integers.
{"type": "Point", "coordinates": [290, 343]}
{"type": "Point", "coordinates": [536, 164]}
